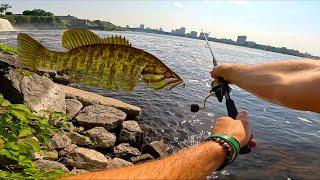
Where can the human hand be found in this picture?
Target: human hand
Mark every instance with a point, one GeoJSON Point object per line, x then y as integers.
{"type": "Point", "coordinates": [226, 71]}
{"type": "Point", "coordinates": [239, 129]}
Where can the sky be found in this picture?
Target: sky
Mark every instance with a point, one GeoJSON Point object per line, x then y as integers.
{"type": "Point", "coordinates": [291, 24]}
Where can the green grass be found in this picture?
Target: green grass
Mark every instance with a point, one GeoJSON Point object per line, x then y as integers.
{"type": "Point", "coordinates": [7, 49]}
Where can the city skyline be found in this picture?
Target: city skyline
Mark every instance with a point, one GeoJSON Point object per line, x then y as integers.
{"type": "Point", "coordinates": [290, 24]}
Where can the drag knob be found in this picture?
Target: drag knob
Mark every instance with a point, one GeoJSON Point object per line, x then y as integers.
{"type": "Point", "coordinates": [195, 107]}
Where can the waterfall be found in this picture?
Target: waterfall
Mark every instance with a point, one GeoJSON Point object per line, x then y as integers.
{"type": "Point", "coordinates": [5, 25]}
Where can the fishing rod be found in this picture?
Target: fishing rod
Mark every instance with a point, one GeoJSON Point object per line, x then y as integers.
{"type": "Point", "coordinates": [221, 89]}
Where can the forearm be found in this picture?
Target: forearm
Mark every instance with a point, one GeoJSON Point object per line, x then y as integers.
{"type": "Point", "coordinates": [289, 83]}
{"type": "Point", "coordinates": [193, 163]}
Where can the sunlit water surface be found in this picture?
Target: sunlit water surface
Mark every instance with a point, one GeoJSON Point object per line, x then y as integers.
{"type": "Point", "coordinates": [288, 140]}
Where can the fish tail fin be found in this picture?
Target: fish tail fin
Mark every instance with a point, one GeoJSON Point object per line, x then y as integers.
{"type": "Point", "coordinates": [30, 51]}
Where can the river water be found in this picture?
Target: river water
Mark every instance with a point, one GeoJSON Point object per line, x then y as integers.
{"type": "Point", "coordinates": [288, 140]}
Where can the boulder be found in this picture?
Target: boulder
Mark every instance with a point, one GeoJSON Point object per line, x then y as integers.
{"type": "Point", "coordinates": [100, 115]}
{"type": "Point", "coordinates": [125, 151]}
{"type": "Point", "coordinates": [73, 107]}
{"type": "Point", "coordinates": [117, 163]}
{"type": "Point", "coordinates": [87, 159]}
{"type": "Point", "coordinates": [40, 93]}
{"type": "Point", "coordinates": [88, 98]}
{"type": "Point", "coordinates": [59, 140]}
{"type": "Point", "coordinates": [155, 148]}
{"type": "Point", "coordinates": [101, 138]}
{"type": "Point", "coordinates": [47, 165]}
{"type": "Point", "coordinates": [131, 133]}
{"type": "Point", "coordinates": [79, 139]}
{"type": "Point", "coordinates": [141, 158]}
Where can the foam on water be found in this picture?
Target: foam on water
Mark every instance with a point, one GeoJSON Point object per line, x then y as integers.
{"type": "Point", "coordinates": [5, 25]}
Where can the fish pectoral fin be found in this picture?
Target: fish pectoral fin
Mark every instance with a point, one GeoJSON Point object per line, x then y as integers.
{"type": "Point", "coordinates": [76, 37]}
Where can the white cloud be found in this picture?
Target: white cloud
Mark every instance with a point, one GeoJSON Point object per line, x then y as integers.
{"type": "Point", "coordinates": [178, 4]}
{"type": "Point", "coordinates": [239, 2]}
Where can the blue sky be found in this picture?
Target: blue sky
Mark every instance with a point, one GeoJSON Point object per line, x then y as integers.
{"type": "Point", "coordinates": [293, 24]}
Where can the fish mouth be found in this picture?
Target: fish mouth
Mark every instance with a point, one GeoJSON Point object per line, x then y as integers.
{"type": "Point", "coordinates": [176, 84]}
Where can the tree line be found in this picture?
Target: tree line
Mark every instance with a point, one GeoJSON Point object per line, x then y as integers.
{"type": "Point", "coordinates": [41, 19]}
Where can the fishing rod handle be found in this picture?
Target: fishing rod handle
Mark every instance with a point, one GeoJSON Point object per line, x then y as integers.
{"type": "Point", "coordinates": [233, 112]}
{"type": "Point", "coordinates": [232, 109]}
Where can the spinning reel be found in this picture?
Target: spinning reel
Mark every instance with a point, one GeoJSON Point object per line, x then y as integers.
{"type": "Point", "coordinates": [218, 89]}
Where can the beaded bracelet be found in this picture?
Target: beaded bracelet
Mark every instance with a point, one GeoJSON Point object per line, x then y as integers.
{"type": "Point", "coordinates": [228, 145]}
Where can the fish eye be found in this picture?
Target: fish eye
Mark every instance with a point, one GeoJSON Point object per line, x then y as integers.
{"type": "Point", "coordinates": [167, 74]}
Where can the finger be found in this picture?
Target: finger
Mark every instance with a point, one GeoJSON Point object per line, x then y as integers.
{"type": "Point", "coordinates": [213, 71]}
{"type": "Point", "coordinates": [243, 116]}
{"type": "Point", "coordinates": [252, 143]}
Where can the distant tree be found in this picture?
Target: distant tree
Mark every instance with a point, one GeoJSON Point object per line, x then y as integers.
{"type": "Point", "coordinates": [37, 12]}
{"type": "Point", "coordinates": [9, 13]}
{"type": "Point", "coordinates": [26, 13]}
{"type": "Point", "coordinates": [48, 14]}
{"type": "Point", "coordinates": [4, 8]}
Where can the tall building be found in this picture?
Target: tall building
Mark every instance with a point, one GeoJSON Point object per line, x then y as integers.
{"type": "Point", "coordinates": [193, 34]}
{"type": "Point", "coordinates": [127, 27]}
{"type": "Point", "coordinates": [141, 26]}
{"type": "Point", "coordinates": [160, 29]}
{"type": "Point", "coordinates": [241, 40]}
{"type": "Point", "coordinates": [180, 32]}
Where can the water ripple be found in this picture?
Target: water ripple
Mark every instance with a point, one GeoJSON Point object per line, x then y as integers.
{"type": "Point", "coordinates": [288, 140]}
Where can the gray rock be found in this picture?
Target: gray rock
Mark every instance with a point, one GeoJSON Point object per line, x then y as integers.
{"type": "Point", "coordinates": [76, 171]}
{"type": "Point", "coordinates": [155, 148]}
{"type": "Point", "coordinates": [46, 165]}
{"type": "Point", "coordinates": [40, 93]}
{"type": "Point", "coordinates": [125, 151]}
{"type": "Point", "coordinates": [142, 158]}
{"type": "Point", "coordinates": [73, 107]}
{"type": "Point", "coordinates": [49, 155]}
{"type": "Point", "coordinates": [9, 60]}
{"type": "Point", "coordinates": [100, 115]}
{"type": "Point", "coordinates": [131, 133]}
{"type": "Point", "coordinates": [79, 139]}
{"type": "Point", "coordinates": [131, 126]}
{"type": "Point", "coordinates": [59, 140]}
{"type": "Point", "coordinates": [88, 98]}
{"type": "Point", "coordinates": [101, 138]}
{"type": "Point", "coordinates": [117, 163]}
{"type": "Point", "coordinates": [87, 159]}
{"type": "Point", "coordinates": [36, 156]}
{"type": "Point", "coordinates": [64, 152]}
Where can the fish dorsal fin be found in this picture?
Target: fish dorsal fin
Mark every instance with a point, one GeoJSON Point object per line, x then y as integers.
{"type": "Point", "coordinates": [74, 38]}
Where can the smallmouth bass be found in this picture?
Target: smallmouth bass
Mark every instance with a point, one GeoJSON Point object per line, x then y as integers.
{"type": "Point", "coordinates": [110, 63]}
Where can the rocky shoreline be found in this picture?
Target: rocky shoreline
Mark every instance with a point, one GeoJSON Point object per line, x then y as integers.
{"type": "Point", "coordinates": [103, 132]}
